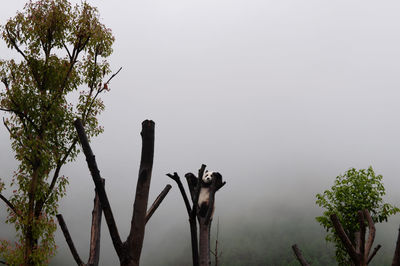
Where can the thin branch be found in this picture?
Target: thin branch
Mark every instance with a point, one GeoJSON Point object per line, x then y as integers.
{"type": "Point", "coordinates": [113, 75]}
{"type": "Point", "coordinates": [9, 131]}
{"type": "Point", "coordinates": [68, 238]}
{"type": "Point", "coordinates": [14, 44]}
{"type": "Point", "coordinates": [21, 115]}
{"type": "Point", "coordinates": [91, 161]}
{"type": "Point", "coordinates": [299, 255]}
{"type": "Point", "coordinates": [58, 168]}
{"type": "Point", "coordinates": [66, 48]}
{"type": "Point", "coordinates": [10, 205]}
{"type": "Point", "coordinates": [177, 179]}
{"type": "Point", "coordinates": [374, 253]}
{"type": "Point", "coordinates": [157, 202]}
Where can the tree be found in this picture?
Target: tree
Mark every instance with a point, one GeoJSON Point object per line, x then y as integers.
{"type": "Point", "coordinates": [62, 49]}
{"type": "Point", "coordinates": [128, 251]}
{"type": "Point", "coordinates": [353, 191]}
{"type": "Point", "coordinates": [200, 240]}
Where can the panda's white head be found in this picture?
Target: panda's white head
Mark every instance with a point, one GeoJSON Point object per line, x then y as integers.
{"type": "Point", "coordinates": [208, 177]}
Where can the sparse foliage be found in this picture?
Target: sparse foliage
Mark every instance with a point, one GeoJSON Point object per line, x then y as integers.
{"type": "Point", "coordinates": [353, 191]}
{"type": "Point", "coordinates": [61, 50]}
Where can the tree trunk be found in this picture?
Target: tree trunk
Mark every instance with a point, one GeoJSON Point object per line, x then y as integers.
{"type": "Point", "coordinates": [205, 243]}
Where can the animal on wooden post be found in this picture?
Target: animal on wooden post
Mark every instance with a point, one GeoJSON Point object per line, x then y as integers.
{"type": "Point", "coordinates": [205, 190]}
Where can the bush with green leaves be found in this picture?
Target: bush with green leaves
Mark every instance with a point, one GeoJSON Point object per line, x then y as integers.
{"type": "Point", "coordinates": [353, 191]}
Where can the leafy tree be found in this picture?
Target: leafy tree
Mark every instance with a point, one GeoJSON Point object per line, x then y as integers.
{"type": "Point", "coordinates": [61, 50]}
{"type": "Point", "coordinates": [353, 191]}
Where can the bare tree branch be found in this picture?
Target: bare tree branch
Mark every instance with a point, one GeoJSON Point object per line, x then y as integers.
{"type": "Point", "coordinates": [113, 75]}
{"type": "Point", "coordinates": [299, 256]}
{"type": "Point", "coordinates": [95, 232]}
{"type": "Point", "coordinates": [374, 253]}
{"type": "Point", "coordinates": [68, 238]}
{"type": "Point", "coordinates": [91, 161]}
{"type": "Point", "coordinates": [177, 179]}
{"type": "Point", "coordinates": [191, 180]}
{"type": "Point", "coordinates": [10, 205]}
{"type": "Point", "coordinates": [157, 202]}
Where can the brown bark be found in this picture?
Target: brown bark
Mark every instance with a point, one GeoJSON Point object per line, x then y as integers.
{"type": "Point", "coordinates": [396, 257]}
{"type": "Point", "coordinates": [29, 238]}
{"type": "Point", "coordinates": [157, 202]}
{"type": "Point", "coordinates": [105, 204]}
{"type": "Point", "coordinates": [345, 239]}
{"type": "Point", "coordinates": [299, 256]}
{"type": "Point", "coordinates": [68, 239]}
{"type": "Point", "coordinates": [373, 253]}
{"type": "Point", "coordinates": [95, 231]}
{"type": "Point", "coordinates": [204, 244]}
{"type": "Point", "coordinates": [359, 254]}
{"type": "Point", "coordinates": [138, 222]}
{"type": "Point", "coordinates": [371, 236]}
{"type": "Point", "coordinates": [129, 251]}
{"type": "Point", "coordinates": [191, 179]}
{"type": "Point", "coordinates": [94, 250]}
{"type": "Point", "coordinates": [200, 249]}
{"type": "Point", "coordinates": [9, 204]}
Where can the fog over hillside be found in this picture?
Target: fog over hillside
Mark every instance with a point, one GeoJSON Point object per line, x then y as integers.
{"type": "Point", "coordinates": [280, 97]}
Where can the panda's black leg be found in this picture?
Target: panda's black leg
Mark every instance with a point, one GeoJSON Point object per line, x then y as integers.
{"type": "Point", "coordinates": [203, 210]}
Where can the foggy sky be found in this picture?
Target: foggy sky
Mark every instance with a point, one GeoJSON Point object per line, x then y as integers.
{"type": "Point", "coordinates": [278, 96]}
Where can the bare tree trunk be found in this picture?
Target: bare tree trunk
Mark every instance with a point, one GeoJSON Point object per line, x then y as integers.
{"type": "Point", "coordinates": [94, 253]}
{"type": "Point", "coordinates": [204, 244]}
{"type": "Point", "coordinates": [129, 251]}
{"type": "Point", "coordinates": [396, 257]}
{"type": "Point", "coordinates": [359, 254]}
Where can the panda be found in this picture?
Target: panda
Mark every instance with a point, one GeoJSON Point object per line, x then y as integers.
{"type": "Point", "coordinates": [205, 190]}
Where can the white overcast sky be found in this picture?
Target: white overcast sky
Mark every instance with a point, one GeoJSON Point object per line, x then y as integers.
{"type": "Point", "coordinates": [279, 96]}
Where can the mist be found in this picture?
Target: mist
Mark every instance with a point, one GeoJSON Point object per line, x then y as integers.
{"type": "Point", "coordinates": [280, 97]}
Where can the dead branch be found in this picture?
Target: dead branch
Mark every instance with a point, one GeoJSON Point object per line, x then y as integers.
{"type": "Point", "coordinates": [68, 238]}
{"type": "Point", "coordinates": [138, 222]}
{"type": "Point", "coordinates": [105, 204]}
{"type": "Point", "coordinates": [178, 181]}
{"type": "Point", "coordinates": [94, 253]}
{"type": "Point", "coordinates": [373, 253]}
{"type": "Point", "coordinates": [299, 256]}
{"type": "Point", "coordinates": [157, 202]}
{"type": "Point", "coordinates": [129, 251]}
{"type": "Point", "coordinates": [10, 205]}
